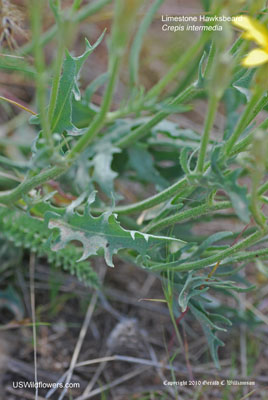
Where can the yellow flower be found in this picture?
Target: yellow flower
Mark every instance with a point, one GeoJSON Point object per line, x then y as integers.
{"type": "Point", "coordinates": [257, 32]}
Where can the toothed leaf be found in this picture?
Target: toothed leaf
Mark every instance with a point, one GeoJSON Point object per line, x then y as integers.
{"type": "Point", "coordinates": [61, 120]}
{"type": "Point", "coordinates": [102, 232]}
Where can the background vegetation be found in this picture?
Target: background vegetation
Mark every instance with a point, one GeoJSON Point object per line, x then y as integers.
{"type": "Point", "coordinates": [147, 152]}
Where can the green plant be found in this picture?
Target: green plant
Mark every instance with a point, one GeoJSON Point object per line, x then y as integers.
{"type": "Point", "coordinates": [80, 147]}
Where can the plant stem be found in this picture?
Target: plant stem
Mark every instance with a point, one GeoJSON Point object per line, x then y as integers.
{"type": "Point", "coordinates": [152, 201]}
{"type": "Point", "coordinates": [173, 319]}
{"type": "Point", "coordinates": [181, 63]}
{"type": "Point", "coordinates": [90, 9]}
{"type": "Point", "coordinates": [144, 130]}
{"type": "Point", "coordinates": [246, 141]}
{"type": "Point", "coordinates": [52, 173]}
{"type": "Point", "coordinates": [15, 103]}
{"type": "Point", "coordinates": [140, 103]}
{"type": "Point", "coordinates": [56, 79]}
{"type": "Point", "coordinates": [260, 105]}
{"type": "Point", "coordinates": [27, 185]}
{"type": "Point", "coordinates": [36, 22]}
{"type": "Point", "coordinates": [244, 120]}
{"type": "Point", "coordinates": [211, 113]}
{"type": "Point", "coordinates": [76, 5]}
{"type": "Point", "coordinates": [236, 45]}
{"type": "Point", "coordinates": [207, 262]}
{"type": "Point", "coordinates": [99, 120]}
{"type": "Point", "coordinates": [248, 255]}
{"type": "Point", "coordinates": [187, 214]}
{"type": "Point", "coordinates": [263, 189]}
{"type": "Point", "coordinates": [81, 15]}
{"type": "Point", "coordinates": [255, 209]}
{"type": "Point", "coordinates": [134, 56]}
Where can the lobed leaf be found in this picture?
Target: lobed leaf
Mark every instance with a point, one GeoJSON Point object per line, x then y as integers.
{"type": "Point", "coordinates": [29, 232]}
{"type": "Point", "coordinates": [206, 321]}
{"type": "Point", "coordinates": [102, 232]}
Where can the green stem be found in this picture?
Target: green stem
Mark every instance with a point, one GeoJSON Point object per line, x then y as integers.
{"type": "Point", "coordinates": [246, 141]}
{"type": "Point", "coordinates": [36, 22]}
{"type": "Point", "coordinates": [76, 5]}
{"type": "Point", "coordinates": [26, 186]}
{"type": "Point", "coordinates": [207, 262]}
{"type": "Point", "coordinates": [139, 104]}
{"type": "Point", "coordinates": [144, 130]}
{"type": "Point", "coordinates": [154, 200]}
{"type": "Point", "coordinates": [242, 144]}
{"type": "Point", "coordinates": [185, 59]}
{"type": "Point", "coordinates": [90, 9]}
{"type": "Point", "coordinates": [236, 45]}
{"type": "Point", "coordinates": [258, 152]}
{"type": "Point", "coordinates": [249, 255]}
{"type": "Point", "coordinates": [187, 214]}
{"type": "Point", "coordinates": [134, 56]}
{"type": "Point", "coordinates": [259, 107]}
{"type": "Point", "coordinates": [29, 184]}
{"type": "Point", "coordinates": [263, 189]}
{"type": "Point", "coordinates": [249, 111]}
{"type": "Point", "coordinates": [99, 120]}
{"type": "Point", "coordinates": [211, 113]}
{"type": "Point", "coordinates": [175, 326]}
{"type": "Point", "coordinates": [254, 205]}
{"type": "Point", "coordinates": [80, 16]}
{"type": "Point", "coordinates": [56, 79]}
{"type": "Point", "coordinates": [10, 164]}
